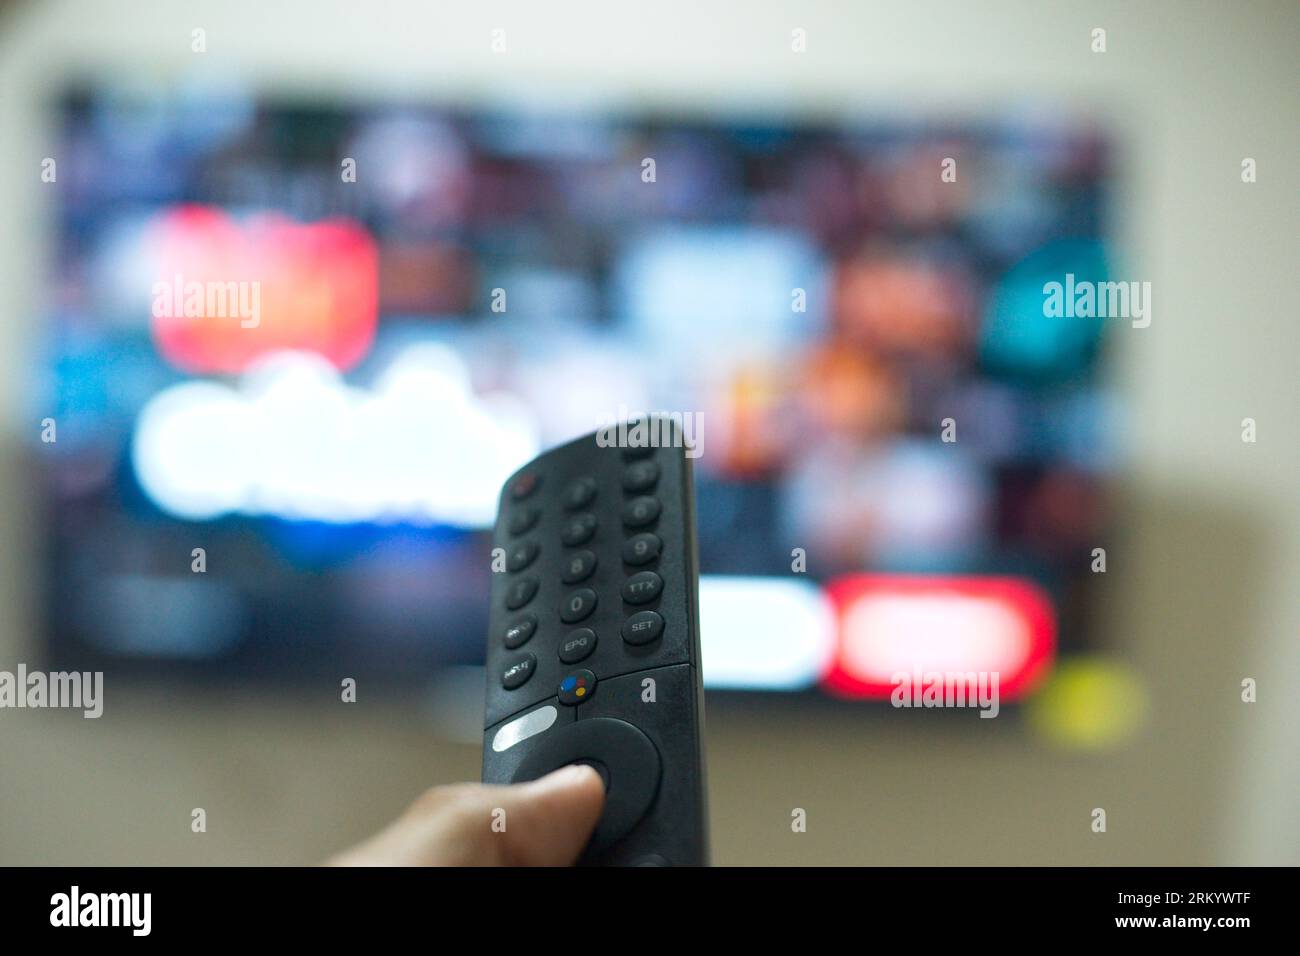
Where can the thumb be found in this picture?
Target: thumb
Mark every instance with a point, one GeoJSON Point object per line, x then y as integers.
{"type": "Point", "coordinates": [548, 821]}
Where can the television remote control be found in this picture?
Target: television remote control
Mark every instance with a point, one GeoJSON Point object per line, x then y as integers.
{"type": "Point", "coordinates": [593, 642]}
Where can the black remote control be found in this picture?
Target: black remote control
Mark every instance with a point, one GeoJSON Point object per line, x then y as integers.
{"type": "Point", "coordinates": [593, 642]}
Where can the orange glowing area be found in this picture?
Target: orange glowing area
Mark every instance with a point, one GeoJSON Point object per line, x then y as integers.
{"type": "Point", "coordinates": [228, 291]}
{"type": "Point", "coordinates": [891, 625]}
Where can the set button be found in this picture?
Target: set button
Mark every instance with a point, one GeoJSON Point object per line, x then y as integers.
{"type": "Point", "coordinates": [642, 627]}
{"type": "Point", "coordinates": [640, 476]}
{"type": "Point", "coordinates": [579, 494]}
{"type": "Point", "coordinates": [517, 672]}
{"type": "Point", "coordinates": [522, 519]}
{"type": "Point", "coordinates": [642, 587]}
{"type": "Point", "coordinates": [578, 566]}
{"type": "Point", "coordinates": [578, 529]}
{"type": "Point", "coordinates": [641, 548]}
{"type": "Point", "coordinates": [520, 630]}
{"type": "Point", "coordinates": [521, 555]}
{"type": "Point", "coordinates": [577, 645]}
{"type": "Point", "coordinates": [641, 511]}
{"type": "Point", "coordinates": [520, 592]}
{"type": "Point", "coordinates": [578, 606]}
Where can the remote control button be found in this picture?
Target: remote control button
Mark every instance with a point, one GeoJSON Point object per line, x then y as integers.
{"type": "Point", "coordinates": [520, 592]}
{"type": "Point", "coordinates": [578, 566]}
{"type": "Point", "coordinates": [640, 512]}
{"type": "Point", "coordinates": [524, 485]}
{"type": "Point", "coordinates": [642, 587]}
{"type": "Point", "coordinates": [578, 606]}
{"type": "Point", "coordinates": [640, 476]}
{"type": "Point", "coordinates": [517, 673]}
{"type": "Point", "coordinates": [577, 645]}
{"type": "Point", "coordinates": [641, 548]}
{"type": "Point", "coordinates": [633, 452]}
{"type": "Point", "coordinates": [579, 529]}
{"type": "Point", "coordinates": [521, 519]}
{"type": "Point", "coordinates": [642, 627]}
{"type": "Point", "coordinates": [630, 761]}
{"type": "Point", "coordinates": [520, 631]}
{"type": "Point", "coordinates": [579, 494]}
{"type": "Point", "coordinates": [577, 687]}
{"type": "Point", "coordinates": [521, 555]}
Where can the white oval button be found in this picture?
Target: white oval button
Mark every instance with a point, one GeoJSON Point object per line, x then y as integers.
{"type": "Point", "coordinates": [521, 728]}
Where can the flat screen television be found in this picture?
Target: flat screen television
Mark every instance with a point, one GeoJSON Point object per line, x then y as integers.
{"type": "Point", "coordinates": [291, 350]}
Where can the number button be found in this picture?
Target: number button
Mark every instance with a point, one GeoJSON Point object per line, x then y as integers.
{"type": "Point", "coordinates": [521, 519]}
{"type": "Point", "coordinates": [516, 673]}
{"type": "Point", "coordinates": [520, 592]}
{"type": "Point", "coordinates": [578, 606]}
{"type": "Point", "coordinates": [640, 476]}
{"type": "Point", "coordinates": [578, 566]}
{"type": "Point", "coordinates": [642, 587]}
{"type": "Point", "coordinates": [579, 494]}
{"type": "Point", "coordinates": [640, 512]}
{"type": "Point", "coordinates": [521, 555]}
{"type": "Point", "coordinates": [579, 529]}
{"type": "Point", "coordinates": [641, 548]}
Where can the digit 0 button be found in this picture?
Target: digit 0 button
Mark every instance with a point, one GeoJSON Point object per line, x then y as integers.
{"type": "Point", "coordinates": [642, 587]}
{"type": "Point", "coordinates": [578, 606]}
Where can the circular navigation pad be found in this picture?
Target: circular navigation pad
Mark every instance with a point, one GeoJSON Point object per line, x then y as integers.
{"type": "Point", "coordinates": [629, 758]}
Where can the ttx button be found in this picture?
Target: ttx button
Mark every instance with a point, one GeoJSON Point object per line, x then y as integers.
{"type": "Point", "coordinates": [642, 587]}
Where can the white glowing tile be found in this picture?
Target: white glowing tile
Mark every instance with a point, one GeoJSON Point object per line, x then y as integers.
{"type": "Point", "coordinates": [764, 633]}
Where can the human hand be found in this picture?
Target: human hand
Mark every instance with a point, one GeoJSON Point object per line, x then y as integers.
{"type": "Point", "coordinates": [545, 822]}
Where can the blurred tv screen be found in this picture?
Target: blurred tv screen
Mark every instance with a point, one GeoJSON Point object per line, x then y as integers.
{"type": "Point", "coordinates": [294, 350]}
